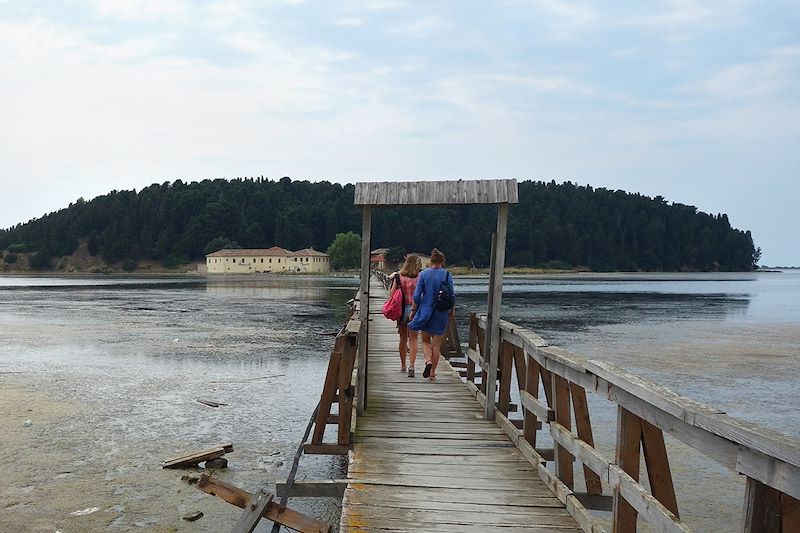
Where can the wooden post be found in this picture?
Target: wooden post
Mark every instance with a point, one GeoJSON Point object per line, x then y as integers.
{"type": "Point", "coordinates": [561, 402]}
{"type": "Point", "coordinates": [658, 471]}
{"type": "Point", "coordinates": [762, 508]}
{"type": "Point", "coordinates": [472, 343]}
{"type": "Point", "coordinates": [346, 363]}
{"type": "Point", "coordinates": [366, 237]}
{"type": "Point", "coordinates": [532, 386]}
{"type": "Point", "coordinates": [326, 399]}
{"type": "Point", "coordinates": [629, 438]}
{"type": "Point", "coordinates": [584, 427]}
{"type": "Point", "coordinates": [493, 314]}
{"type": "Point", "coordinates": [506, 360]}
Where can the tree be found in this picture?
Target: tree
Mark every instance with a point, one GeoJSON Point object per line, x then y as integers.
{"type": "Point", "coordinates": [219, 243]}
{"type": "Point", "coordinates": [345, 251]}
{"type": "Point", "coordinates": [396, 254]}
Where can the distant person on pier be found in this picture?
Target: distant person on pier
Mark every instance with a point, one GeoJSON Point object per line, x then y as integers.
{"type": "Point", "coordinates": [434, 299]}
{"type": "Point", "coordinates": [406, 280]}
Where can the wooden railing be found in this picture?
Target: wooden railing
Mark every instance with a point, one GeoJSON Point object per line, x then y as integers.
{"type": "Point", "coordinates": [341, 380]}
{"type": "Point", "coordinates": [645, 410]}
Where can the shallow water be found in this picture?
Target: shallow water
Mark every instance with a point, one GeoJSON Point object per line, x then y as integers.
{"type": "Point", "coordinates": [122, 360]}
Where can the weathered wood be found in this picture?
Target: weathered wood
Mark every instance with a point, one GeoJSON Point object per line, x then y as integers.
{"type": "Point", "coordinates": [277, 513]}
{"type": "Point", "coordinates": [762, 508]}
{"type": "Point", "coordinates": [506, 361]}
{"type": "Point", "coordinates": [657, 462]}
{"type": "Point", "coordinates": [346, 389]}
{"type": "Point", "coordinates": [790, 513]}
{"type": "Point", "coordinates": [326, 398]}
{"type": "Point", "coordinates": [325, 488]}
{"type": "Point", "coordinates": [253, 511]}
{"type": "Point", "coordinates": [584, 428]}
{"type": "Point", "coordinates": [532, 393]}
{"type": "Point", "coordinates": [629, 436]}
{"type": "Point", "coordinates": [440, 192]}
{"type": "Point", "coordinates": [326, 449]}
{"type": "Point", "coordinates": [564, 459]}
{"type": "Point", "coordinates": [363, 344]}
{"type": "Point", "coordinates": [497, 265]}
{"type": "Point", "coordinates": [198, 457]}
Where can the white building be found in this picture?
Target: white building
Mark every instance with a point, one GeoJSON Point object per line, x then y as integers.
{"type": "Point", "coordinates": [260, 260]}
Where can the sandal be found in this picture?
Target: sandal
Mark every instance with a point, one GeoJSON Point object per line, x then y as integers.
{"type": "Point", "coordinates": [432, 378]}
{"type": "Point", "coordinates": [427, 372]}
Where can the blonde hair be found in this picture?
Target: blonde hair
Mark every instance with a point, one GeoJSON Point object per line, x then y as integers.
{"type": "Point", "coordinates": [437, 257]}
{"type": "Point", "coordinates": [410, 266]}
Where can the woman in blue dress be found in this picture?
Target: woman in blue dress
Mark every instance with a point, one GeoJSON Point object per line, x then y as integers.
{"type": "Point", "coordinates": [425, 317]}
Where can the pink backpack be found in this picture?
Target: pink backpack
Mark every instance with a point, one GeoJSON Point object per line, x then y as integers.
{"type": "Point", "coordinates": [393, 308]}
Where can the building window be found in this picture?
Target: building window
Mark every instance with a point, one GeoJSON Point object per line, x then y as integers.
{"type": "Point", "coordinates": [270, 260]}
{"type": "Point", "coordinates": [262, 259]}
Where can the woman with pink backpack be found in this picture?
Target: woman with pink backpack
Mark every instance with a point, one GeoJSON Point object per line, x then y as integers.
{"type": "Point", "coordinates": [406, 281]}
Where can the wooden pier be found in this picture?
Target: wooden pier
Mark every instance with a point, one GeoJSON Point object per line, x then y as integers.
{"type": "Point", "coordinates": [425, 459]}
{"type": "Point", "coordinates": [460, 456]}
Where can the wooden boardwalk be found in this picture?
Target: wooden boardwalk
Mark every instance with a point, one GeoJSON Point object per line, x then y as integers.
{"type": "Point", "coordinates": [425, 459]}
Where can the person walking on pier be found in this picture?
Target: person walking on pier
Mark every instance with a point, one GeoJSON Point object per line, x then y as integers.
{"type": "Point", "coordinates": [406, 280]}
{"type": "Point", "coordinates": [434, 298]}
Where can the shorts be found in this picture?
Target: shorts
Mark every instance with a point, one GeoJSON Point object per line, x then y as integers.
{"type": "Point", "coordinates": [406, 313]}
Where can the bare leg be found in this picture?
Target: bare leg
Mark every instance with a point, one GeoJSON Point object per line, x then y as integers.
{"type": "Point", "coordinates": [403, 348]}
{"type": "Point", "coordinates": [427, 349]}
{"type": "Point", "coordinates": [412, 347]}
{"type": "Point", "coordinates": [436, 350]}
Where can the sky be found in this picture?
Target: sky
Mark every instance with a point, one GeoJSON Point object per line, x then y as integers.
{"type": "Point", "coordinates": [696, 101]}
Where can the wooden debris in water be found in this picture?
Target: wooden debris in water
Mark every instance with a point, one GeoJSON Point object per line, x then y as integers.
{"type": "Point", "coordinates": [197, 458]}
{"type": "Point", "coordinates": [209, 403]}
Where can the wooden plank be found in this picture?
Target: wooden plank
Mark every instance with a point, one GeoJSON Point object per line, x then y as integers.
{"type": "Point", "coordinates": [253, 511]}
{"type": "Point", "coordinates": [790, 513]}
{"type": "Point", "coordinates": [495, 302]}
{"type": "Point", "coordinates": [657, 462]}
{"type": "Point", "coordinates": [536, 408]}
{"type": "Point", "coordinates": [506, 362]}
{"type": "Point", "coordinates": [564, 460]}
{"type": "Point", "coordinates": [326, 449]}
{"type": "Point", "coordinates": [325, 488]}
{"type": "Point", "coordinates": [346, 391]}
{"type": "Point", "coordinates": [629, 436]}
{"type": "Point", "coordinates": [326, 398]}
{"type": "Point", "coordinates": [531, 392]}
{"type": "Point", "coordinates": [277, 513]}
{"type": "Point", "coordinates": [762, 508]}
{"type": "Point", "coordinates": [439, 192]}
{"type": "Point", "coordinates": [583, 427]}
{"type": "Point", "coordinates": [198, 457]}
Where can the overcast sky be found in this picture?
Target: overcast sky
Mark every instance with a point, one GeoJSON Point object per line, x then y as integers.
{"type": "Point", "coordinates": [696, 101]}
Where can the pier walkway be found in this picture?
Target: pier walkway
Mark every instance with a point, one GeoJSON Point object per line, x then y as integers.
{"type": "Point", "coordinates": [425, 459]}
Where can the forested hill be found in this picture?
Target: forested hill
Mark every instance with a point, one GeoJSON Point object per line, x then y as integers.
{"type": "Point", "coordinates": [554, 225]}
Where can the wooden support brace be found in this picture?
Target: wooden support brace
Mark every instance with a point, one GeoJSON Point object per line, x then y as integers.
{"type": "Point", "coordinates": [327, 397]}
{"type": "Point", "coordinates": [326, 449]}
{"type": "Point", "coordinates": [584, 427]}
{"type": "Point", "coordinates": [277, 513]}
{"type": "Point", "coordinates": [506, 360]}
{"type": "Point", "coordinates": [253, 511]}
{"type": "Point", "coordinates": [629, 433]}
{"type": "Point", "coordinates": [325, 488]}
{"type": "Point", "coordinates": [658, 471]}
{"type": "Point", "coordinates": [532, 387]}
{"type": "Point", "coordinates": [564, 459]}
{"type": "Point", "coordinates": [196, 458]}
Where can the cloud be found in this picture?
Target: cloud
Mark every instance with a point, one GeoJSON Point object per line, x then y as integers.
{"type": "Point", "coordinates": [348, 21]}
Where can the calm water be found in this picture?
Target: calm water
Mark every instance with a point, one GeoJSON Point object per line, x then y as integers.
{"type": "Point", "coordinates": [140, 350]}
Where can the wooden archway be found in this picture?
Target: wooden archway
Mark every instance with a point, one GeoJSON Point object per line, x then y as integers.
{"type": "Point", "coordinates": [500, 192]}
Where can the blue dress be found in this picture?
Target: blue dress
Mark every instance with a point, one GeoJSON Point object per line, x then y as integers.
{"type": "Point", "coordinates": [428, 318]}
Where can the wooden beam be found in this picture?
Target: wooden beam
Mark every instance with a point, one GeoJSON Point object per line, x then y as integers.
{"type": "Point", "coordinates": [629, 437]}
{"type": "Point", "coordinates": [584, 428]}
{"type": "Point", "coordinates": [198, 457]}
{"type": "Point", "coordinates": [346, 364]}
{"type": "Point", "coordinates": [326, 398]}
{"type": "Point", "coordinates": [439, 192]}
{"type": "Point", "coordinates": [325, 488]}
{"type": "Point", "coordinates": [253, 511]}
{"type": "Point", "coordinates": [532, 390]}
{"type": "Point", "coordinates": [363, 344]}
{"type": "Point", "coordinates": [506, 361]}
{"type": "Point", "coordinates": [277, 513]}
{"type": "Point", "coordinates": [762, 508]}
{"type": "Point", "coordinates": [495, 301]}
{"type": "Point", "coordinates": [657, 462]}
{"type": "Point", "coordinates": [326, 449]}
{"type": "Point", "coordinates": [564, 459]}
